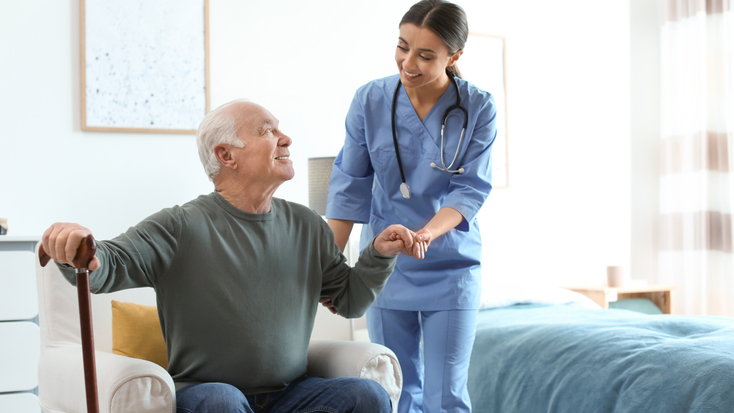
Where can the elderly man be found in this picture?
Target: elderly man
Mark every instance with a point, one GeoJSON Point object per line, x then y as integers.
{"type": "Point", "coordinates": [238, 276]}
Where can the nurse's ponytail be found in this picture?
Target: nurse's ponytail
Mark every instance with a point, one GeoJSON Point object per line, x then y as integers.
{"type": "Point", "coordinates": [446, 19]}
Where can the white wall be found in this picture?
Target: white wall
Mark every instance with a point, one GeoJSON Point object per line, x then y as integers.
{"type": "Point", "coordinates": [645, 105]}
{"type": "Point", "coordinates": [564, 218]}
{"type": "Point", "coordinates": [566, 215]}
{"type": "Point", "coordinates": [50, 170]}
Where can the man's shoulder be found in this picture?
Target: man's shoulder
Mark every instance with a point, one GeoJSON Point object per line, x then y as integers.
{"type": "Point", "coordinates": [203, 203]}
{"type": "Point", "coordinates": [296, 209]}
{"type": "Point", "coordinates": [202, 200]}
{"type": "Point", "coordinates": [304, 216]}
{"type": "Point", "coordinates": [199, 205]}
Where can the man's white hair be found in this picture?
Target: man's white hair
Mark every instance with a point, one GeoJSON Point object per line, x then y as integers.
{"type": "Point", "coordinates": [218, 126]}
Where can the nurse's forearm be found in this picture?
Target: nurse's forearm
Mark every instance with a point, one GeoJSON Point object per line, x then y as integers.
{"type": "Point", "coordinates": [446, 219]}
{"type": "Point", "coordinates": [341, 229]}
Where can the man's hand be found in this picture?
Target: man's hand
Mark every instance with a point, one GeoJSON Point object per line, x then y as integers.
{"type": "Point", "coordinates": [61, 242]}
{"type": "Point", "coordinates": [326, 302]}
{"type": "Point", "coordinates": [394, 240]}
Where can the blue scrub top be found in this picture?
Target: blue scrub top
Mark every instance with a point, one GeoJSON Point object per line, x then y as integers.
{"type": "Point", "coordinates": [365, 185]}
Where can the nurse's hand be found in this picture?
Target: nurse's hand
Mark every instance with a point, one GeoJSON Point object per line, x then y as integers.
{"type": "Point", "coordinates": [394, 240]}
{"type": "Point", "coordinates": [423, 239]}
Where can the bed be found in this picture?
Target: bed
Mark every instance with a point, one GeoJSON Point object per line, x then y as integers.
{"type": "Point", "coordinates": [556, 351]}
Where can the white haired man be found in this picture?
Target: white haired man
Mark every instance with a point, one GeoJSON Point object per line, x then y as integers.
{"type": "Point", "coordinates": [238, 275]}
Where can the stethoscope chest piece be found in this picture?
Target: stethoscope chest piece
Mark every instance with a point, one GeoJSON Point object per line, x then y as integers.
{"type": "Point", "coordinates": [405, 190]}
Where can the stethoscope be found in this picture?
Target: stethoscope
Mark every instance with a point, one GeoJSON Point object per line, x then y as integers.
{"type": "Point", "coordinates": [404, 188]}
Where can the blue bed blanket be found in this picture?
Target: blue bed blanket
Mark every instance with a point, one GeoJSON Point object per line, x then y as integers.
{"type": "Point", "coordinates": [568, 359]}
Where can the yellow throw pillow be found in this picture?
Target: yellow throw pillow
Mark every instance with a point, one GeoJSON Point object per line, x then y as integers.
{"type": "Point", "coordinates": [136, 332]}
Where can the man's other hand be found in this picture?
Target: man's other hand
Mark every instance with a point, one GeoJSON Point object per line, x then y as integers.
{"type": "Point", "coordinates": [61, 242]}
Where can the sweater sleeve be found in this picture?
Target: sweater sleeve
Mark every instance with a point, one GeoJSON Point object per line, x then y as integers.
{"type": "Point", "coordinates": [137, 257]}
{"type": "Point", "coordinates": [354, 289]}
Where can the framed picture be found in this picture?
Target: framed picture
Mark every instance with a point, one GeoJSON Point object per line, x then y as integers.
{"type": "Point", "coordinates": [484, 64]}
{"type": "Point", "coordinates": [144, 65]}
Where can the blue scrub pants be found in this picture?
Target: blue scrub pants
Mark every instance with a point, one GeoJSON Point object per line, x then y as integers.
{"type": "Point", "coordinates": [436, 382]}
{"type": "Point", "coordinates": [309, 394]}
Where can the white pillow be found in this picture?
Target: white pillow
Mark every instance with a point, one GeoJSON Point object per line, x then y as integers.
{"type": "Point", "coordinates": [495, 295]}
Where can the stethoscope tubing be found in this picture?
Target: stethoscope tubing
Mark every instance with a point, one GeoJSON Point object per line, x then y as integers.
{"type": "Point", "coordinates": [404, 188]}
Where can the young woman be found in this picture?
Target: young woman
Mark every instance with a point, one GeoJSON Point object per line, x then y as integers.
{"type": "Point", "coordinates": [417, 152]}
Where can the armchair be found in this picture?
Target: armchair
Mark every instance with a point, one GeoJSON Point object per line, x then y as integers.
{"type": "Point", "coordinates": [133, 385]}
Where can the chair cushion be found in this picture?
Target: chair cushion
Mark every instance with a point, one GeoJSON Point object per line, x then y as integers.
{"type": "Point", "coordinates": [136, 332]}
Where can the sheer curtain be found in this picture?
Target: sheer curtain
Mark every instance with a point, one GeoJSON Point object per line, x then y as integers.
{"type": "Point", "coordinates": [696, 186]}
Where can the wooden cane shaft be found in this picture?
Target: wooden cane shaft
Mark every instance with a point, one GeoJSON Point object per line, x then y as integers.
{"type": "Point", "coordinates": [85, 320]}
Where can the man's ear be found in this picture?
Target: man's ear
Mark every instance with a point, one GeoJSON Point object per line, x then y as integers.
{"type": "Point", "coordinates": [224, 156]}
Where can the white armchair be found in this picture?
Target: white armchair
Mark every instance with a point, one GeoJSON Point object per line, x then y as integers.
{"type": "Point", "coordinates": [138, 386]}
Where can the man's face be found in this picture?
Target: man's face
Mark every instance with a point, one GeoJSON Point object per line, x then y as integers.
{"type": "Point", "coordinates": [265, 156]}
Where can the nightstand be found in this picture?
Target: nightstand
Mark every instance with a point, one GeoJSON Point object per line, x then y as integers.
{"type": "Point", "coordinates": [602, 295]}
{"type": "Point", "coordinates": [20, 342]}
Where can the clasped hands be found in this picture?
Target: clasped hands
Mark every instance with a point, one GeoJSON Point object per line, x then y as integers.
{"type": "Point", "coordinates": [397, 239]}
{"type": "Point", "coordinates": [393, 240]}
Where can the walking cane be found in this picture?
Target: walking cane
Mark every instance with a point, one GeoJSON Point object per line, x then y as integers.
{"type": "Point", "coordinates": [81, 261]}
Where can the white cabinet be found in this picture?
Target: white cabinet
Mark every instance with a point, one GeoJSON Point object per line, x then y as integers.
{"type": "Point", "coordinates": [19, 402]}
{"type": "Point", "coordinates": [19, 334]}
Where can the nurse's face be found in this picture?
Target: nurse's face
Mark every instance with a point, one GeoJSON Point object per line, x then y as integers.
{"type": "Point", "coordinates": [422, 57]}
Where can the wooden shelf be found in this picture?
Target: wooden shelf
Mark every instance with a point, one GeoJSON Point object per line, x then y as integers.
{"type": "Point", "coordinates": [602, 295]}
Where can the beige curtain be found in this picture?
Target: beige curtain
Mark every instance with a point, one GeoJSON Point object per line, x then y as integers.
{"type": "Point", "coordinates": [697, 45]}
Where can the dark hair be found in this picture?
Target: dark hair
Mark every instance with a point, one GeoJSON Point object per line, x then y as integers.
{"type": "Point", "coordinates": [445, 19]}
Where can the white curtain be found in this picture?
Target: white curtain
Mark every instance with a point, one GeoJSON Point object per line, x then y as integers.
{"type": "Point", "coordinates": [697, 45]}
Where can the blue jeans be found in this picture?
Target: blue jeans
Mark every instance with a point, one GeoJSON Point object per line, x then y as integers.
{"type": "Point", "coordinates": [310, 394]}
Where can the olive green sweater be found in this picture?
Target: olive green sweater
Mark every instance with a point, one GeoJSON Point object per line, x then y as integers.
{"type": "Point", "coordinates": [238, 292]}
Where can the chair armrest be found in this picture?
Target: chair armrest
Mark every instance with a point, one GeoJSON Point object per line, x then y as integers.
{"type": "Point", "coordinates": [124, 384]}
{"type": "Point", "coordinates": [336, 358]}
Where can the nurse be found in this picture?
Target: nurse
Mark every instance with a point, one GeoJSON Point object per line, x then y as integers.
{"type": "Point", "coordinates": [400, 165]}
